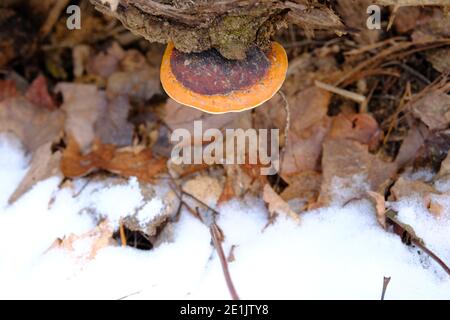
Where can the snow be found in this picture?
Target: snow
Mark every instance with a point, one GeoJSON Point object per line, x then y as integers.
{"type": "Point", "coordinates": [336, 252]}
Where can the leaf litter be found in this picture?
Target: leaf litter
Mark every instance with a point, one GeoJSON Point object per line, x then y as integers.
{"type": "Point", "coordinates": [107, 127]}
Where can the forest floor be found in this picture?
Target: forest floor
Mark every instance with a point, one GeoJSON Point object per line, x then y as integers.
{"type": "Point", "coordinates": [92, 206]}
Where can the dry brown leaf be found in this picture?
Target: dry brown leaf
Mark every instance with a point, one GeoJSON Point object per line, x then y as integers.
{"type": "Point", "coordinates": [440, 59]}
{"type": "Point", "coordinates": [309, 126]}
{"type": "Point", "coordinates": [127, 162]}
{"type": "Point", "coordinates": [100, 237]}
{"type": "Point", "coordinates": [305, 185]}
{"type": "Point", "coordinates": [411, 144]}
{"type": "Point", "coordinates": [205, 188]}
{"type": "Point", "coordinates": [105, 63]}
{"type": "Point", "coordinates": [112, 126]}
{"type": "Point", "coordinates": [276, 205]}
{"type": "Point", "coordinates": [34, 126]}
{"type": "Point", "coordinates": [409, 188]}
{"type": "Point", "coordinates": [433, 109]}
{"type": "Point", "coordinates": [445, 167]}
{"type": "Point", "coordinates": [343, 161]}
{"type": "Point", "coordinates": [82, 105]}
{"type": "Point", "coordinates": [137, 85]}
{"type": "Point", "coordinates": [432, 204]}
{"type": "Point", "coordinates": [380, 207]}
{"type": "Point", "coordinates": [177, 116]}
{"type": "Point", "coordinates": [359, 127]}
{"type": "Point", "coordinates": [434, 150]}
{"type": "Point", "coordinates": [350, 12]}
{"type": "Point", "coordinates": [38, 94]}
{"type": "Point", "coordinates": [90, 116]}
{"type": "Point", "coordinates": [44, 164]}
{"type": "Point", "coordinates": [8, 89]}
{"type": "Point", "coordinates": [227, 192]}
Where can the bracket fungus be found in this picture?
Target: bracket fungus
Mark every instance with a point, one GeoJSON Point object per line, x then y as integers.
{"type": "Point", "coordinates": [211, 83]}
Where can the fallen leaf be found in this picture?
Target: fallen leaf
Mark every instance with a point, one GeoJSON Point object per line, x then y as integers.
{"type": "Point", "coordinates": [411, 188]}
{"type": "Point", "coordinates": [411, 144]}
{"type": "Point", "coordinates": [349, 170]}
{"type": "Point", "coordinates": [433, 109]}
{"type": "Point", "coordinates": [80, 56]}
{"type": "Point", "coordinates": [98, 238]}
{"type": "Point", "coordinates": [433, 150]}
{"type": "Point", "coordinates": [8, 89]}
{"type": "Point", "coordinates": [380, 207]}
{"type": "Point", "coordinates": [276, 205]}
{"type": "Point", "coordinates": [82, 105]}
{"type": "Point", "coordinates": [38, 94]}
{"type": "Point", "coordinates": [227, 191]}
{"type": "Point", "coordinates": [360, 127]}
{"type": "Point", "coordinates": [127, 162]}
{"type": "Point", "coordinates": [305, 186]}
{"type": "Point", "coordinates": [138, 85]}
{"type": "Point", "coordinates": [205, 188]}
{"type": "Point", "coordinates": [34, 126]}
{"type": "Point", "coordinates": [350, 12]}
{"type": "Point", "coordinates": [440, 59]}
{"type": "Point", "coordinates": [433, 205]}
{"type": "Point", "coordinates": [177, 116]}
{"type": "Point", "coordinates": [309, 127]}
{"type": "Point", "coordinates": [44, 164]}
{"type": "Point", "coordinates": [91, 115]}
{"type": "Point", "coordinates": [105, 63]}
{"type": "Point", "coordinates": [112, 126]}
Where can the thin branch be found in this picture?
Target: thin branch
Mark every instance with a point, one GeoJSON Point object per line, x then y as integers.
{"type": "Point", "coordinates": [215, 235]}
{"type": "Point", "coordinates": [386, 281]}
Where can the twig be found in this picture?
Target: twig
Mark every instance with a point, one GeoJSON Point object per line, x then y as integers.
{"type": "Point", "coordinates": [386, 281]}
{"type": "Point", "coordinates": [417, 242]}
{"type": "Point", "coordinates": [123, 238]}
{"type": "Point", "coordinates": [342, 92]}
{"type": "Point", "coordinates": [129, 295]}
{"type": "Point", "coordinates": [286, 133]}
{"type": "Point", "coordinates": [52, 17]}
{"type": "Point", "coordinates": [215, 235]}
{"type": "Point", "coordinates": [432, 255]}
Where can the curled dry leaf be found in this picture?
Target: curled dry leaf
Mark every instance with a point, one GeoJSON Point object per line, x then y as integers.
{"type": "Point", "coordinates": [34, 126]}
{"type": "Point", "coordinates": [98, 238]}
{"type": "Point", "coordinates": [433, 109]}
{"type": "Point", "coordinates": [38, 94]}
{"type": "Point", "coordinates": [411, 144]}
{"type": "Point", "coordinates": [82, 105]}
{"type": "Point", "coordinates": [359, 127]}
{"type": "Point", "coordinates": [276, 205]}
{"type": "Point", "coordinates": [343, 161]}
{"type": "Point", "coordinates": [44, 164]}
{"type": "Point", "coordinates": [127, 162]}
{"type": "Point", "coordinates": [408, 188]}
{"type": "Point", "coordinates": [380, 207]}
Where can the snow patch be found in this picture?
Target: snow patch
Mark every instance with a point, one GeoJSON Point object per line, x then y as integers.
{"type": "Point", "coordinates": [336, 252]}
